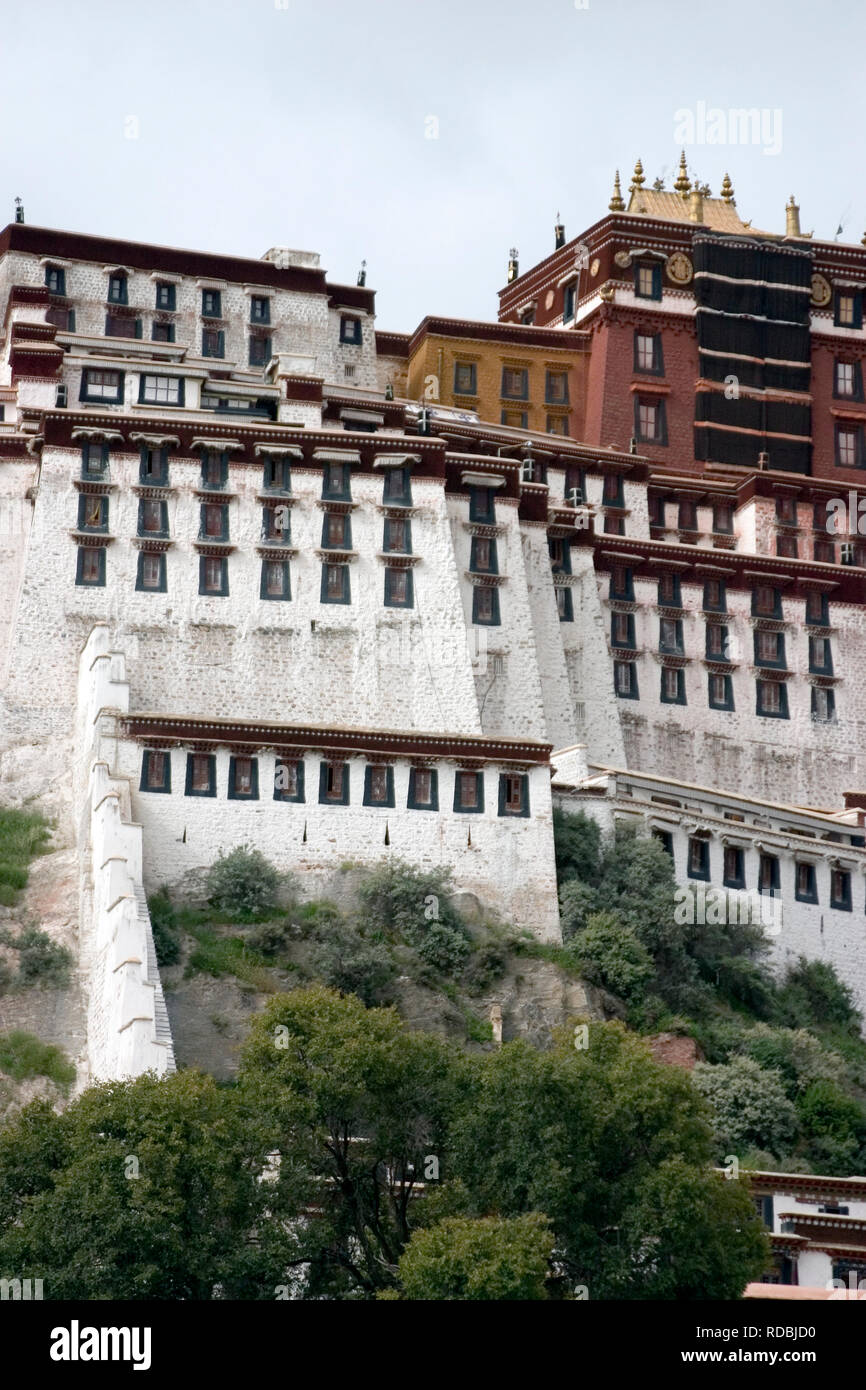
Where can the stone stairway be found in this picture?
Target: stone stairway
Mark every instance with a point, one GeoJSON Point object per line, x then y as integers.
{"type": "Point", "coordinates": [163, 1027]}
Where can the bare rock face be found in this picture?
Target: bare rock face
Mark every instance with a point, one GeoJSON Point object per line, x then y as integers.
{"type": "Point", "coordinates": [675, 1051]}
{"type": "Point", "coordinates": [210, 1019]}
{"type": "Point", "coordinates": [536, 999]}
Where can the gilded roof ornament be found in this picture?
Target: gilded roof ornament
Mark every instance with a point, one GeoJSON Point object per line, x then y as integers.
{"type": "Point", "coordinates": [637, 178]}
{"type": "Point", "coordinates": [682, 184]}
{"type": "Point", "coordinates": [727, 190]}
{"type": "Point", "coordinates": [616, 203]}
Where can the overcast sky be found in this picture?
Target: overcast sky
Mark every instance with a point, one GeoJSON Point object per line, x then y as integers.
{"type": "Point", "coordinates": [308, 123]}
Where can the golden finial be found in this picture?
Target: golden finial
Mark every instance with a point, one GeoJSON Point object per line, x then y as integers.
{"type": "Point", "coordinates": [727, 190]}
{"type": "Point", "coordinates": [616, 203]}
{"type": "Point", "coordinates": [637, 178]}
{"type": "Point", "coordinates": [681, 183]}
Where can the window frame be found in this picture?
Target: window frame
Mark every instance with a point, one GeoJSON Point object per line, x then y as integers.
{"type": "Point", "coordinates": [160, 377]}
{"type": "Point", "coordinates": [810, 895]}
{"type": "Point", "coordinates": [286, 593]}
{"type": "Point", "coordinates": [222, 561]}
{"type": "Point", "coordinates": [233, 794]}
{"type": "Point", "coordinates": [701, 874]}
{"type": "Point", "coordinates": [523, 393]}
{"type": "Point", "coordinates": [504, 807]}
{"type": "Point", "coordinates": [345, 784]}
{"type": "Point", "coordinates": [412, 802]}
{"type": "Point", "coordinates": [346, 591]}
{"type": "Point", "coordinates": [782, 711]}
{"type": "Point", "coordinates": [143, 557]}
{"type": "Point", "coordinates": [390, 600]}
{"type": "Point", "coordinates": [163, 789]}
{"type": "Point", "coordinates": [495, 619]}
{"type": "Point", "coordinates": [280, 793]}
{"type": "Point", "coordinates": [388, 801]}
{"type": "Point", "coordinates": [189, 789]}
{"type": "Point", "coordinates": [84, 393]}
{"type": "Point", "coordinates": [356, 337]}
{"type": "Point", "coordinates": [459, 807]}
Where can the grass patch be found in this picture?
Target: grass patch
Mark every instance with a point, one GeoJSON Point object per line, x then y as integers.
{"type": "Point", "coordinates": [23, 836]}
{"type": "Point", "coordinates": [229, 955]}
{"type": "Point", "coordinates": [22, 1056]}
{"type": "Point", "coordinates": [543, 950]}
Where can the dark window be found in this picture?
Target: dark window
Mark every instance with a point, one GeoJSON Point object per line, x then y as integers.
{"type": "Point", "coordinates": [786, 547]}
{"type": "Point", "coordinates": [769, 648]}
{"type": "Point", "coordinates": [91, 566]}
{"type": "Point", "coordinates": [485, 606]}
{"type": "Point", "coordinates": [214, 469]}
{"type": "Point", "coordinates": [772, 699]}
{"type": "Point", "coordinates": [152, 517]}
{"type": "Point", "coordinates": [275, 580]}
{"type": "Point", "coordinates": [849, 446]}
{"type": "Point", "coordinates": [99, 384]}
{"type": "Point", "coordinates": [848, 309]}
{"type": "Point", "coordinates": [717, 640]}
{"type": "Point", "coordinates": [94, 460]}
{"type": "Point", "coordinates": [648, 353]}
{"type": "Point", "coordinates": [767, 601]}
{"type": "Point", "coordinates": [335, 584]}
{"type": "Point", "coordinates": [260, 309]}
{"type": "Point", "coordinates": [699, 858]}
{"type": "Point", "coordinates": [55, 279]}
{"type": "Point", "coordinates": [557, 424]}
{"type": "Point", "coordinates": [276, 525]}
{"type": "Point", "coordinates": [823, 705]}
{"type": "Point", "coordinates": [469, 791]}
{"type": "Point", "coordinates": [666, 840]}
{"type": "Point", "coordinates": [118, 289]}
{"type": "Point", "coordinates": [335, 481]}
{"type": "Point", "coordinates": [625, 680]}
{"type": "Point", "coordinates": [687, 520]}
{"type": "Point", "coordinates": [734, 867]}
{"type": "Point", "coordinates": [397, 488]}
{"type": "Point", "coordinates": [63, 319]}
{"type": "Point", "coordinates": [560, 555]}
{"type": "Point", "coordinates": [213, 575]}
{"type": "Point", "coordinates": [817, 608]}
{"type": "Point", "coordinates": [378, 785]}
{"type": "Point", "coordinates": [786, 510]}
{"type": "Point", "coordinates": [153, 469]}
{"type": "Point", "coordinates": [848, 380]}
{"type": "Point", "coordinates": [723, 518]}
{"type": "Point", "coordinates": [337, 531]}
{"type": "Point", "coordinates": [824, 551]}
{"type": "Point", "coordinates": [673, 686]}
{"type": "Point", "coordinates": [350, 329]}
{"type": "Point", "coordinates": [720, 692]}
{"type": "Point", "coordinates": [715, 596]}
{"type": "Point", "coordinates": [516, 420]}
{"type": "Point", "coordinates": [465, 379]}
{"type": "Point", "coordinates": [334, 783]}
{"type": "Point", "coordinates": [621, 583]}
{"type": "Point", "coordinates": [769, 878]}
{"type": "Point", "coordinates": [481, 504]}
{"type": "Point", "coordinates": [150, 573]}
{"type": "Point", "coordinates": [277, 475]}
{"type": "Point", "coordinates": [650, 420]}
{"type": "Point", "coordinates": [820, 656]}
{"type": "Point", "coordinates": [805, 883]}
{"type": "Point", "coordinates": [423, 789]}
{"type": "Point", "coordinates": [622, 629]}
{"type": "Point", "coordinates": [669, 595]}
{"type": "Point", "coordinates": [92, 513]}
{"type": "Point", "coordinates": [213, 342]}
{"type": "Point", "coordinates": [289, 779]}
{"type": "Point", "coordinates": [612, 490]}
{"type": "Point", "coordinates": [214, 523]}
{"type": "Point", "coordinates": [211, 304]}
{"type": "Point", "coordinates": [200, 774]}
{"type": "Point", "coordinates": [162, 333]}
{"type": "Point", "coordinates": [648, 281]}
{"type": "Point", "coordinates": [155, 771]}
{"type": "Point", "coordinates": [166, 295]}
{"type": "Point", "coordinates": [840, 889]}
{"type": "Point", "coordinates": [243, 779]}
{"type": "Point", "coordinates": [515, 383]}
{"type": "Point", "coordinates": [61, 399]}
{"type": "Point", "coordinates": [260, 351]}
{"type": "Point", "coordinates": [513, 794]}
{"type": "Point", "coordinates": [556, 388]}
{"type": "Point", "coordinates": [482, 556]}
{"type": "Point", "coordinates": [398, 588]}
{"type": "Point", "coordinates": [564, 603]}
{"type": "Point", "coordinates": [397, 538]}
{"type": "Point", "coordinates": [670, 635]}
{"type": "Point", "coordinates": [568, 301]}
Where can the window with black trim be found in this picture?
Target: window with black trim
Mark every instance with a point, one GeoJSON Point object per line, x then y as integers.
{"type": "Point", "coordinates": [289, 779]}
{"type": "Point", "coordinates": [716, 642]}
{"type": "Point", "coordinates": [465, 379]}
{"type": "Point", "coordinates": [820, 656]}
{"type": "Point", "coordinates": [769, 648]}
{"type": "Point", "coordinates": [787, 547]}
{"type": "Point", "coordinates": [423, 789]}
{"type": "Point", "coordinates": [805, 883]}
{"type": "Point", "coordinates": [485, 606]}
{"type": "Point", "coordinates": [153, 468]}
{"type": "Point", "coordinates": [150, 574]}
{"type": "Point", "coordinates": [513, 794]}
{"type": "Point", "coordinates": [90, 567]}
{"type": "Point", "coordinates": [213, 575]}
{"type": "Point", "coordinates": [259, 350]}
{"type": "Point", "coordinates": [848, 380]}
{"type": "Point", "coordinates": [213, 342]}
{"type": "Point", "coordinates": [669, 595]}
{"type": "Point", "coordinates": [160, 390]}
{"type": "Point", "coordinates": [766, 601]}
{"type": "Point", "coordinates": [200, 774]}
{"type": "Point", "coordinates": [399, 591]}
{"type": "Point", "coordinates": [260, 309]}
{"type": "Point", "coordinates": [715, 596]}
{"type": "Point", "coordinates": [557, 424]}
{"type": "Point", "coordinates": [62, 318]}
{"type": "Point", "coordinates": [840, 890]}
{"type": "Point", "coordinates": [671, 635]}
{"type": "Point", "coordinates": [155, 771]}
{"type": "Point", "coordinates": [515, 383]}
{"type": "Point", "coordinates": [335, 482]}
{"type": "Point", "coordinates": [621, 583]}
{"type": "Point", "coordinates": [823, 704]}
{"type": "Point", "coordinates": [650, 420]}
{"type": "Point", "coordinates": [648, 281]}
{"type": "Point", "coordinates": [94, 460]}
{"type": "Point", "coordinates": [276, 525]}
{"type": "Point", "coordinates": [817, 608]}
{"type": "Point", "coordinates": [723, 518]}
{"type": "Point", "coordinates": [560, 554]}
{"type": "Point", "coordinates": [214, 521]}
{"type": "Point", "coordinates": [335, 584]}
{"type": "Point", "coordinates": [687, 516]}
{"type": "Point", "coordinates": [481, 504]}
{"type": "Point", "coordinates": [55, 279]}
{"type": "Point", "coordinates": [469, 791]}
{"type": "Point", "coordinates": [564, 603]}
{"type": "Point", "coordinates": [166, 295]}
{"type": "Point", "coordinates": [482, 555]}
{"type": "Point", "coordinates": [665, 839]}
{"type": "Point", "coordinates": [118, 289]}
{"type": "Point", "coordinates": [772, 699]}
{"type": "Point", "coordinates": [824, 551]}
{"type": "Point", "coordinates": [243, 779]}
{"type": "Point", "coordinates": [101, 384]}
{"type": "Point", "coordinates": [613, 494]}
{"type": "Point", "coordinates": [337, 531]}
{"type": "Point", "coordinates": [734, 870]}
{"type": "Point", "coordinates": [214, 469]}
{"type": "Point", "coordinates": [555, 388]}
{"type": "Point", "coordinates": [211, 304]}
{"type": "Point", "coordinates": [648, 353]}
{"type": "Point", "coordinates": [569, 298]}
{"type": "Point", "coordinates": [162, 332]}
{"type": "Point", "coordinates": [515, 420]}
{"type": "Point", "coordinates": [350, 329]}
{"type": "Point", "coordinates": [277, 475]}
{"type": "Point", "coordinates": [397, 487]}
{"type": "Point", "coordinates": [849, 446]}
{"type": "Point", "coordinates": [720, 692]}
{"type": "Point", "coordinates": [275, 582]}
{"type": "Point", "coordinates": [334, 783]}
{"type": "Point", "coordinates": [152, 517]}
{"type": "Point", "coordinates": [622, 630]}
{"type": "Point", "coordinates": [625, 680]}
{"type": "Point", "coordinates": [673, 686]}
{"type": "Point", "coordinates": [378, 784]}
{"type": "Point", "coordinates": [769, 874]}
{"type": "Point", "coordinates": [92, 513]}
{"type": "Point", "coordinates": [848, 309]}
{"type": "Point", "coordinates": [698, 859]}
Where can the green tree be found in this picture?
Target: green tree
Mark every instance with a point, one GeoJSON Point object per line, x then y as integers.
{"type": "Point", "coordinates": [577, 842]}
{"type": "Point", "coordinates": [142, 1189]}
{"type": "Point", "coordinates": [749, 1105]}
{"type": "Point", "coordinates": [243, 882]}
{"type": "Point", "coordinates": [583, 1135]}
{"type": "Point", "coordinates": [610, 954]}
{"type": "Point", "coordinates": [492, 1258]}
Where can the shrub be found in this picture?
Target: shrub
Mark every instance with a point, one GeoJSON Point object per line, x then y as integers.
{"type": "Point", "coordinates": [610, 954]}
{"type": "Point", "coordinates": [346, 960]}
{"type": "Point", "coordinates": [749, 1105]}
{"type": "Point", "coordinates": [444, 948]}
{"type": "Point", "coordinates": [163, 921]}
{"type": "Point", "coordinates": [489, 1258]}
{"type": "Point", "coordinates": [271, 938]}
{"type": "Point", "coordinates": [577, 842]}
{"type": "Point", "coordinates": [243, 882]}
{"type": "Point", "coordinates": [400, 900]}
{"type": "Point", "coordinates": [812, 993]}
{"type": "Point", "coordinates": [576, 902]}
{"type": "Point", "coordinates": [42, 961]}
{"type": "Point", "coordinates": [486, 964]}
{"type": "Point", "coordinates": [22, 1055]}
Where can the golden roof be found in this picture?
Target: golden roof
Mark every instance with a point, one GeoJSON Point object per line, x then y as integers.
{"type": "Point", "coordinates": [718, 214]}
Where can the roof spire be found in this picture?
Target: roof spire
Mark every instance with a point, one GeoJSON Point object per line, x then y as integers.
{"type": "Point", "coordinates": [727, 190]}
{"type": "Point", "coordinates": [637, 178]}
{"type": "Point", "coordinates": [682, 183]}
{"type": "Point", "coordinates": [616, 203]}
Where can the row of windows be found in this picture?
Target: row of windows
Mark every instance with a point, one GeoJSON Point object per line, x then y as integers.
{"type": "Point", "coordinates": [766, 598]}
{"type": "Point", "coordinates": [769, 647]}
{"type": "Point", "coordinates": [769, 874]}
{"type": "Point", "coordinates": [514, 385]}
{"type": "Point", "coordinates": [771, 696]}
{"type": "Point", "coordinates": [334, 783]}
{"type": "Point", "coordinates": [687, 514]}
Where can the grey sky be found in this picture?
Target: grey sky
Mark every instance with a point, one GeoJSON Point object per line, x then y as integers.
{"type": "Point", "coordinates": [306, 126]}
